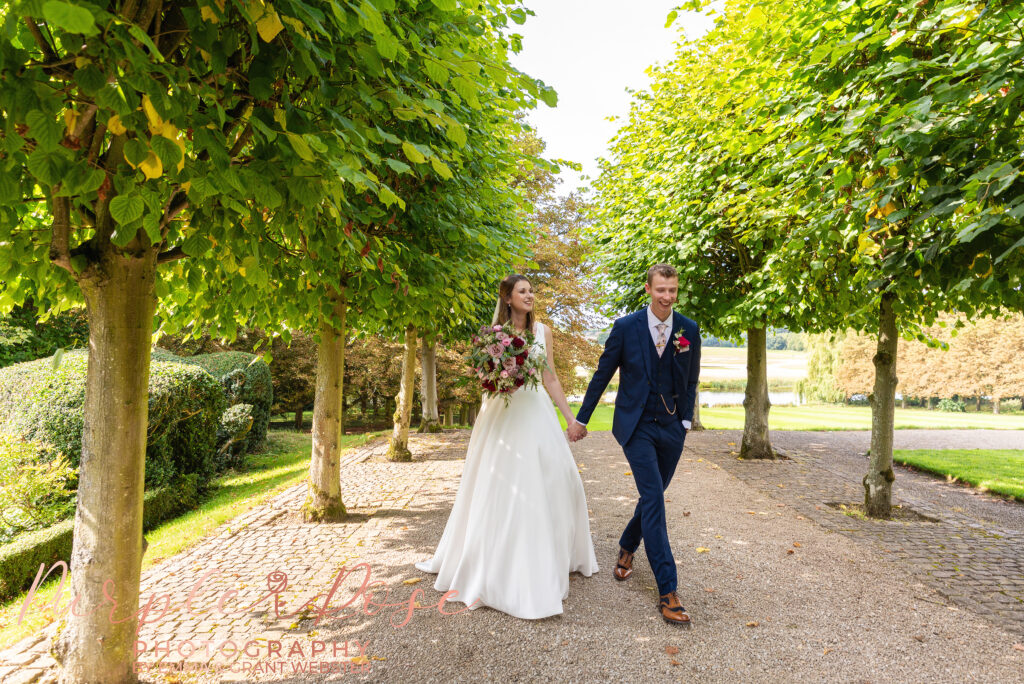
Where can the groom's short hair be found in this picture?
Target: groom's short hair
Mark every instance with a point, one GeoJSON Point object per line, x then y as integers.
{"type": "Point", "coordinates": [664, 270]}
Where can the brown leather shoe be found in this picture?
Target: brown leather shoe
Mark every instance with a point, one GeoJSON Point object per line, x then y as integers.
{"type": "Point", "coordinates": [672, 611]}
{"type": "Point", "coordinates": [624, 566]}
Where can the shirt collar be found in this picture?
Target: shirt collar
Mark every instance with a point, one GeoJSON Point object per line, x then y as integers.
{"type": "Point", "coordinates": [653, 320]}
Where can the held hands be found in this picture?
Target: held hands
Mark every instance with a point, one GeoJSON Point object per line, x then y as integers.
{"type": "Point", "coordinates": [577, 431]}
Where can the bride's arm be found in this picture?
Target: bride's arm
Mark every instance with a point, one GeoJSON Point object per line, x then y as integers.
{"type": "Point", "coordinates": [551, 383]}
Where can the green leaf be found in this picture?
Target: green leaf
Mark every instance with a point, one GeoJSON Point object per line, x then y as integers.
{"type": "Point", "coordinates": [436, 71]}
{"type": "Point", "coordinates": [90, 79]}
{"type": "Point", "coordinates": [446, 5]}
{"type": "Point", "coordinates": [371, 19]}
{"type": "Point", "coordinates": [398, 166]}
{"type": "Point", "coordinates": [672, 16]}
{"type": "Point", "coordinates": [413, 154]}
{"type": "Point", "coordinates": [126, 208]}
{"type": "Point", "coordinates": [135, 151]}
{"type": "Point", "coordinates": [518, 15]}
{"type": "Point", "coordinates": [387, 44]}
{"type": "Point", "coordinates": [196, 244]}
{"type": "Point", "coordinates": [456, 133]}
{"type": "Point", "coordinates": [9, 191]}
{"type": "Point", "coordinates": [441, 168]}
{"type": "Point", "coordinates": [47, 166]}
{"type": "Point", "coordinates": [167, 150]}
{"type": "Point", "coordinates": [300, 146]}
{"type": "Point", "coordinates": [549, 96]}
{"type": "Point", "coordinates": [69, 17]}
{"type": "Point", "coordinates": [44, 129]}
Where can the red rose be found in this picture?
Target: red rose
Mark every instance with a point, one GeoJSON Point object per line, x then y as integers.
{"type": "Point", "coordinates": [490, 365]}
{"type": "Point", "coordinates": [520, 382]}
{"type": "Point", "coordinates": [521, 359]}
{"type": "Point", "coordinates": [518, 342]}
{"type": "Point", "coordinates": [489, 386]}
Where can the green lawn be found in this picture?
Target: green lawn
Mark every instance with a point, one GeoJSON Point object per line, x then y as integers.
{"type": "Point", "coordinates": [832, 418]}
{"type": "Point", "coordinates": [995, 470]}
{"type": "Point", "coordinates": [285, 463]}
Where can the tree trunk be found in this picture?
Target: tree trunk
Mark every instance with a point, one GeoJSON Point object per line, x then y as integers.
{"type": "Point", "coordinates": [449, 415]}
{"type": "Point", "coordinates": [398, 449]}
{"type": "Point", "coordinates": [880, 476]}
{"type": "Point", "coordinates": [903, 401]}
{"type": "Point", "coordinates": [299, 415]}
{"type": "Point", "coordinates": [931, 403]}
{"type": "Point", "coordinates": [756, 442]}
{"type": "Point", "coordinates": [463, 414]}
{"type": "Point", "coordinates": [428, 389]}
{"type": "Point", "coordinates": [977, 404]}
{"type": "Point", "coordinates": [695, 424]}
{"type": "Point", "coordinates": [324, 499]}
{"type": "Point", "coordinates": [95, 645]}
{"type": "Point", "coordinates": [995, 405]}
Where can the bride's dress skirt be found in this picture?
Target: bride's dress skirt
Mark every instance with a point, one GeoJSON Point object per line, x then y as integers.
{"type": "Point", "coordinates": [519, 524]}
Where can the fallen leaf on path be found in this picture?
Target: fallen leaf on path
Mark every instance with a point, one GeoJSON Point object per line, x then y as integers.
{"type": "Point", "coordinates": [709, 590]}
{"type": "Point", "coordinates": [359, 660]}
{"type": "Point", "coordinates": [732, 443]}
{"type": "Point", "coordinates": [686, 513]}
{"type": "Point", "coordinates": [565, 642]}
{"type": "Point", "coordinates": [701, 549]}
{"type": "Point", "coordinates": [718, 536]}
{"type": "Point", "coordinates": [789, 550]}
{"type": "Point", "coordinates": [753, 624]}
{"type": "Point", "coordinates": [414, 580]}
{"type": "Point", "coordinates": [919, 637]}
{"type": "Point", "coordinates": [628, 472]}
{"type": "Point", "coordinates": [673, 661]}
{"type": "Point", "coordinates": [826, 651]}
{"type": "Point", "coordinates": [1018, 647]}
{"type": "Point", "coordinates": [796, 544]}
{"type": "Point", "coordinates": [671, 650]}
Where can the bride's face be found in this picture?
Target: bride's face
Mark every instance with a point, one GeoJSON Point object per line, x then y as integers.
{"type": "Point", "coordinates": [522, 297]}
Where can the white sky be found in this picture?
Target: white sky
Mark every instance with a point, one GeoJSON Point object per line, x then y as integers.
{"type": "Point", "coordinates": [590, 51]}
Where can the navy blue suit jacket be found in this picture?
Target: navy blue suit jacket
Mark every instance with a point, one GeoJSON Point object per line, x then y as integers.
{"type": "Point", "coordinates": [628, 351]}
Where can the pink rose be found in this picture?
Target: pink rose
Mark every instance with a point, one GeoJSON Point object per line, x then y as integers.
{"type": "Point", "coordinates": [504, 374]}
{"type": "Point", "coordinates": [506, 342]}
{"type": "Point", "coordinates": [495, 350]}
{"type": "Point", "coordinates": [533, 372]}
{"type": "Point", "coordinates": [497, 328]}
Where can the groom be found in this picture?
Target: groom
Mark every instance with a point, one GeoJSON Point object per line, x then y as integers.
{"type": "Point", "coordinates": [657, 354]}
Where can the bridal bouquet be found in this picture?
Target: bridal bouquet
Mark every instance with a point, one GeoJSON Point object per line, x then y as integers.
{"type": "Point", "coordinates": [501, 360]}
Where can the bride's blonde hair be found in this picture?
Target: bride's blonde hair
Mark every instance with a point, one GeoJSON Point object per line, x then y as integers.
{"type": "Point", "coordinates": [505, 289]}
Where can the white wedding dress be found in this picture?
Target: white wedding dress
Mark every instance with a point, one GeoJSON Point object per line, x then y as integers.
{"type": "Point", "coordinates": [519, 523]}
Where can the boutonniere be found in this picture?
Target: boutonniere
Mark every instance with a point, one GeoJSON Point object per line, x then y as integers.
{"type": "Point", "coordinates": [681, 344]}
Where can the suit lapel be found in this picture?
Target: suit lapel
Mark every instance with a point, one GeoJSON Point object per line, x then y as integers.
{"type": "Point", "coordinates": [645, 342]}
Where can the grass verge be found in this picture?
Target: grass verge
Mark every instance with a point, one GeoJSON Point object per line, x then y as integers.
{"type": "Point", "coordinates": [994, 470]}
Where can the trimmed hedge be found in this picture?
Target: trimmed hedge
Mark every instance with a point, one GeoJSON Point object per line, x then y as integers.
{"type": "Point", "coordinates": [45, 404]}
{"type": "Point", "coordinates": [255, 386]}
{"type": "Point", "coordinates": [20, 560]}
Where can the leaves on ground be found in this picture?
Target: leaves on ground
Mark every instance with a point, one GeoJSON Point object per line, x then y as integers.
{"type": "Point", "coordinates": [671, 650]}
{"type": "Point", "coordinates": [753, 623]}
{"type": "Point", "coordinates": [702, 549]}
{"type": "Point", "coordinates": [414, 580]}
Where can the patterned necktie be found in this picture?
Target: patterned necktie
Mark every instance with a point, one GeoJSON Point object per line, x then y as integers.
{"type": "Point", "coordinates": [662, 340]}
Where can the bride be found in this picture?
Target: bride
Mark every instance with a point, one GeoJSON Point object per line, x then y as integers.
{"type": "Point", "coordinates": [519, 523]}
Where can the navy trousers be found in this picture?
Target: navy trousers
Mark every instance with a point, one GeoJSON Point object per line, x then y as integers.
{"type": "Point", "coordinates": [653, 453]}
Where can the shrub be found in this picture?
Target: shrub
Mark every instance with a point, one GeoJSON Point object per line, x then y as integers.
{"type": "Point", "coordinates": [952, 405]}
{"type": "Point", "coordinates": [20, 560]}
{"type": "Point", "coordinates": [37, 487]}
{"type": "Point", "coordinates": [43, 403]}
{"type": "Point", "coordinates": [254, 387]}
{"type": "Point", "coordinates": [235, 424]}
{"type": "Point", "coordinates": [24, 338]}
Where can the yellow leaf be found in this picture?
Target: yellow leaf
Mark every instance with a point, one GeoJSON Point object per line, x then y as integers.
{"type": "Point", "coordinates": [81, 62]}
{"type": "Point", "coordinates": [279, 117]}
{"type": "Point", "coordinates": [628, 472]}
{"type": "Point", "coordinates": [701, 549]}
{"type": "Point", "coordinates": [269, 25]}
{"type": "Point", "coordinates": [414, 580]}
{"type": "Point", "coordinates": [753, 624]}
{"type": "Point", "coordinates": [241, 271]}
{"type": "Point", "coordinates": [208, 14]}
{"type": "Point", "coordinates": [70, 120]}
{"type": "Point", "coordinates": [360, 660]}
{"type": "Point", "coordinates": [115, 126]}
{"type": "Point", "coordinates": [155, 122]}
{"type": "Point", "coordinates": [299, 27]}
{"type": "Point", "coordinates": [151, 166]}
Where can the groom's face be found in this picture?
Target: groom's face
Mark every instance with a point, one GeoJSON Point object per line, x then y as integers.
{"type": "Point", "coordinates": [663, 292]}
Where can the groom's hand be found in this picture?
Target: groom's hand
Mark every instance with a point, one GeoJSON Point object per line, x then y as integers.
{"type": "Point", "coordinates": [577, 431]}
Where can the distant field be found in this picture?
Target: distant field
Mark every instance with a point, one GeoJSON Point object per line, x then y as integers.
{"type": "Point", "coordinates": [729, 363]}
{"type": "Point", "coordinates": [833, 418]}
